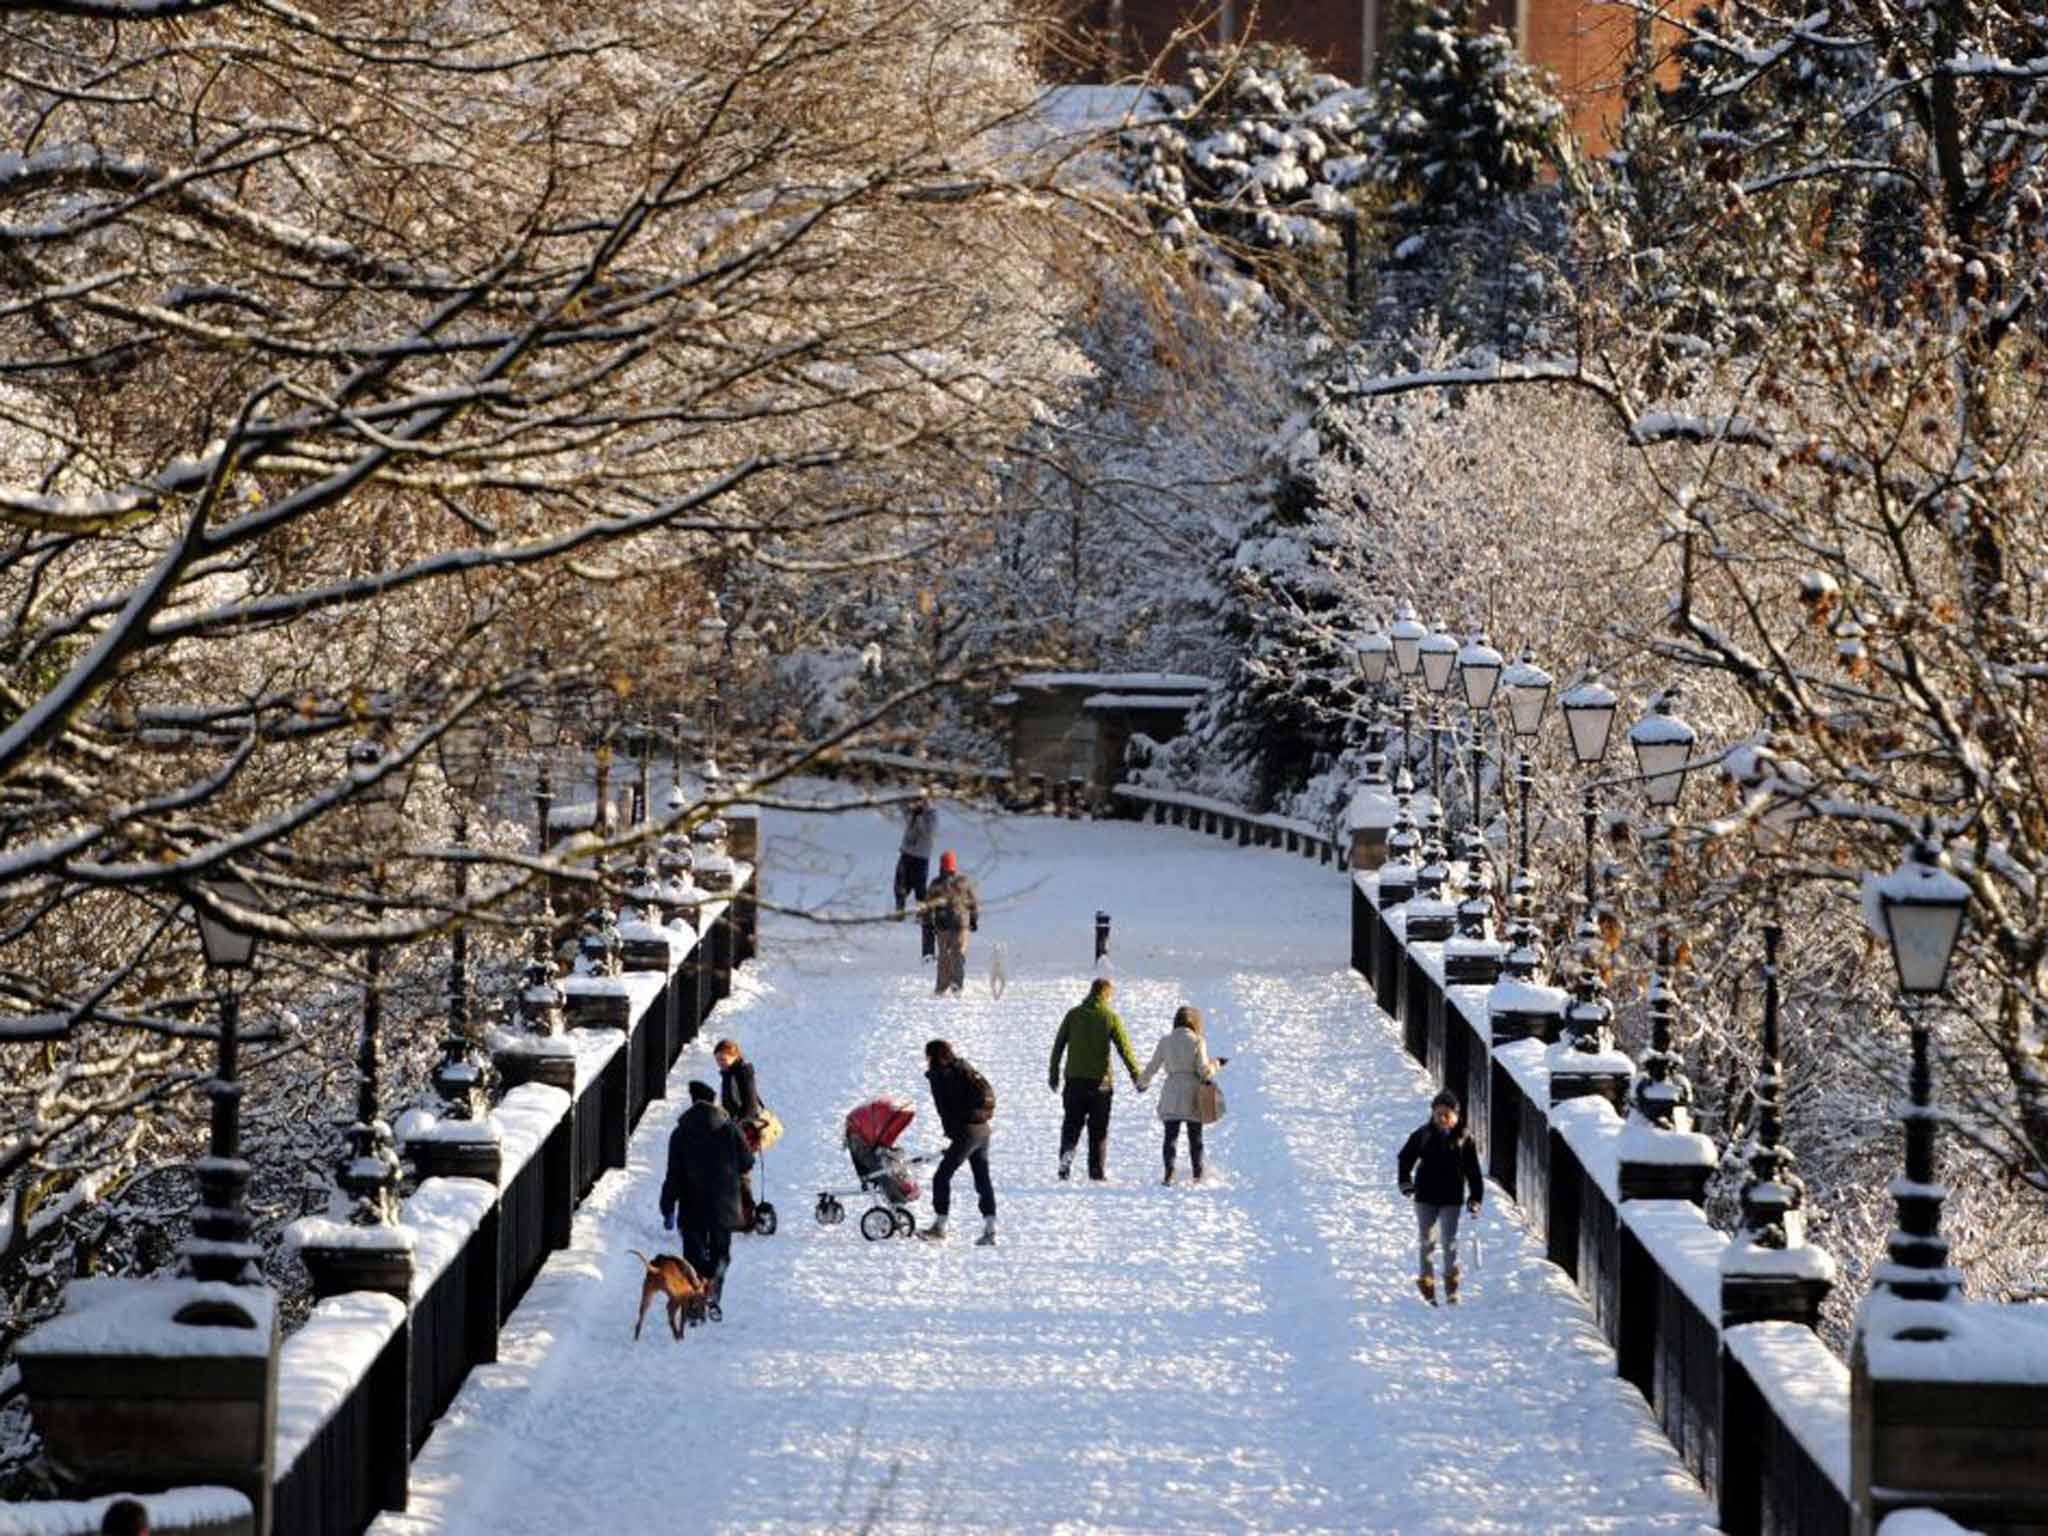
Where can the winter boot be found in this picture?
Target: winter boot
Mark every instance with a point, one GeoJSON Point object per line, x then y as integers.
{"type": "Point", "coordinates": [936, 1232]}
{"type": "Point", "coordinates": [1198, 1170]}
{"type": "Point", "coordinates": [1169, 1172]}
{"type": "Point", "coordinates": [1066, 1165]}
{"type": "Point", "coordinates": [988, 1233]}
{"type": "Point", "coordinates": [1426, 1283]}
{"type": "Point", "coordinates": [1451, 1286]}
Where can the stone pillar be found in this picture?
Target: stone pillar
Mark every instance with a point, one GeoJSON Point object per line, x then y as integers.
{"type": "Point", "coordinates": [1964, 1433]}
{"type": "Point", "coordinates": [158, 1384]}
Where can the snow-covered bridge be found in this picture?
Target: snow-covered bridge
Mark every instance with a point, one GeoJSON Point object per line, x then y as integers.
{"type": "Point", "coordinates": [1247, 1354]}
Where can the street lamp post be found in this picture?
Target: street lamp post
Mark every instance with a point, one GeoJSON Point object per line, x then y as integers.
{"type": "Point", "coordinates": [1923, 906]}
{"type": "Point", "coordinates": [1589, 712]}
{"type": "Point", "coordinates": [1663, 746]}
{"type": "Point", "coordinates": [369, 1172]}
{"type": "Point", "coordinates": [1527, 687]}
{"type": "Point", "coordinates": [711, 635]}
{"type": "Point", "coordinates": [219, 1248]}
{"type": "Point", "coordinates": [1479, 670]}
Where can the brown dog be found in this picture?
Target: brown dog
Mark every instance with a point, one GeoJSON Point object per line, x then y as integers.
{"type": "Point", "coordinates": [670, 1276]}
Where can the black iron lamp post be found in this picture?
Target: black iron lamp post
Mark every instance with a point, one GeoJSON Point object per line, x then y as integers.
{"type": "Point", "coordinates": [219, 1248]}
{"type": "Point", "coordinates": [1527, 687]}
{"type": "Point", "coordinates": [1663, 746]}
{"type": "Point", "coordinates": [712, 631]}
{"type": "Point", "coordinates": [1439, 661]}
{"type": "Point", "coordinates": [1589, 710]}
{"type": "Point", "coordinates": [370, 1172]}
{"type": "Point", "coordinates": [1479, 670]}
{"type": "Point", "coordinates": [1923, 907]}
{"type": "Point", "coordinates": [458, 1078]}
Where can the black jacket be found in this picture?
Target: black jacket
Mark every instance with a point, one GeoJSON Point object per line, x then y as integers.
{"type": "Point", "coordinates": [1440, 1162]}
{"type": "Point", "coordinates": [706, 1156]}
{"type": "Point", "coordinates": [961, 1096]}
{"type": "Point", "coordinates": [951, 905]}
{"type": "Point", "coordinates": [736, 1091]}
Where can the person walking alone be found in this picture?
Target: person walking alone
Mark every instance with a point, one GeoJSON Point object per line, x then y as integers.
{"type": "Point", "coordinates": [1183, 1055]}
{"type": "Point", "coordinates": [951, 913]}
{"type": "Point", "coordinates": [707, 1159]}
{"type": "Point", "coordinates": [966, 1107]}
{"type": "Point", "coordinates": [914, 863]}
{"type": "Point", "coordinates": [1438, 1165]}
{"type": "Point", "coordinates": [1085, 1036]}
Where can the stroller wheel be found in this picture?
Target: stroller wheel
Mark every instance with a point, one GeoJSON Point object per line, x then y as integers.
{"type": "Point", "coordinates": [906, 1224]}
{"type": "Point", "coordinates": [877, 1222]}
{"type": "Point", "coordinates": [827, 1212]}
{"type": "Point", "coordinates": [764, 1219]}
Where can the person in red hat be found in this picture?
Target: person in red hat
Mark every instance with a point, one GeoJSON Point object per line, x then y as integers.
{"type": "Point", "coordinates": [954, 913]}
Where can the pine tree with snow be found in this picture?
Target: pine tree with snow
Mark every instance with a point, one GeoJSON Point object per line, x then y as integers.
{"type": "Point", "coordinates": [1469, 123]}
{"type": "Point", "coordinates": [1255, 166]}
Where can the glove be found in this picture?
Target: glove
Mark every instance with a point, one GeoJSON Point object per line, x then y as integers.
{"type": "Point", "coordinates": [1052, 1081]}
{"type": "Point", "coordinates": [1472, 1206]}
{"type": "Point", "coordinates": [668, 1221]}
{"type": "Point", "coordinates": [1141, 1087]}
{"type": "Point", "coordinates": [1408, 1189]}
{"type": "Point", "coordinates": [974, 927]}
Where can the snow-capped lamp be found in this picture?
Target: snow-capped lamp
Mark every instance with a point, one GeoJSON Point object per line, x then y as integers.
{"type": "Point", "coordinates": [1663, 746]}
{"type": "Point", "coordinates": [1375, 655]}
{"type": "Point", "coordinates": [1479, 669]}
{"type": "Point", "coordinates": [1922, 905]}
{"type": "Point", "coordinates": [1439, 653]}
{"type": "Point", "coordinates": [1527, 687]}
{"type": "Point", "coordinates": [1407, 634]}
{"type": "Point", "coordinates": [1589, 718]}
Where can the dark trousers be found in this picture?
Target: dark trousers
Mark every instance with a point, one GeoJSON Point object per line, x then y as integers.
{"type": "Point", "coordinates": [1089, 1103]}
{"type": "Point", "coordinates": [1171, 1144]}
{"type": "Point", "coordinates": [708, 1248]}
{"type": "Point", "coordinates": [913, 873]}
{"type": "Point", "coordinates": [969, 1147]}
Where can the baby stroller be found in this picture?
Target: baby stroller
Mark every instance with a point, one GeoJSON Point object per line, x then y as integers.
{"type": "Point", "coordinates": [884, 1172]}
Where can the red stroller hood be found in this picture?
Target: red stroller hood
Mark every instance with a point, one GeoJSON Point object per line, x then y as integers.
{"type": "Point", "coordinates": [879, 1121]}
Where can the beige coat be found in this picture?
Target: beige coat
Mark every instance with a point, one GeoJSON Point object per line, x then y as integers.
{"type": "Point", "coordinates": [1183, 1055]}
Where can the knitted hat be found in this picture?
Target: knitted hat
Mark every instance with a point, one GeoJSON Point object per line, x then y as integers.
{"type": "Point", "coordinates": [946, 864]}
{"type": "Point", "coordinates": [1445, 1099]}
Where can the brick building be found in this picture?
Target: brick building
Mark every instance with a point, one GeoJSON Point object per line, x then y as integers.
{"type": "Point", "coordinates": [1583, 43]}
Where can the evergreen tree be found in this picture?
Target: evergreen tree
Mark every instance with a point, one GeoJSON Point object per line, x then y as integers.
{"type": "Point", "coordinates": [1468, 121]}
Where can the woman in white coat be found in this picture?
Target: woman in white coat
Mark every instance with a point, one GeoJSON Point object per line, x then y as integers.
{"type": "Point", "coordinates": [1183, 1055]}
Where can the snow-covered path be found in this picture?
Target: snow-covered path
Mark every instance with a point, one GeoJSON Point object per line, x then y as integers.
{"type": "Point", "coordinates": [1243, 1355]}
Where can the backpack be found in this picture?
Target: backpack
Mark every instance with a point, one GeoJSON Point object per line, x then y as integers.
{"type": "Point", "coordinates": [983, 1088]}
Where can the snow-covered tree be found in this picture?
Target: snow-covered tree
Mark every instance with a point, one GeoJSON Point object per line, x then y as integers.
{"type": "Point", "coordinates": [1256, 166]}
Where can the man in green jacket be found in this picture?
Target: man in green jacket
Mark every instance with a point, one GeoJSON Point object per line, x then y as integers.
{"type": "Point", "coordinates": [1085, 1036]}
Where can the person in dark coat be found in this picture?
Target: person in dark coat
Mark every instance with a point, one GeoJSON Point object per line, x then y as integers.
{"type": "Point", "coordinates": [914, 862]}
{"type": "Point", "coordinates": [966, 1107]}
{"type": "Point", "coordinates": [707, 1158]}
{"type": "Point", "coordinates": [1437, 1167]}
{"type": "Point", "coordinates": [740, 1098]}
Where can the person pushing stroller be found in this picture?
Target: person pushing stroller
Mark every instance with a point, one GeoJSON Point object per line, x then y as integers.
{"type": "Point", "coordinates": [1438, 1164]}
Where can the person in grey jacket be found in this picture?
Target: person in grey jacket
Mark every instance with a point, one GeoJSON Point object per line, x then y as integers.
{"type": "Point", "coordinates": [914, 863]}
